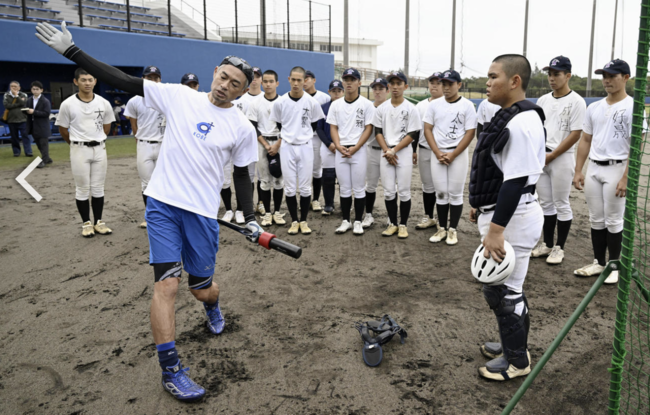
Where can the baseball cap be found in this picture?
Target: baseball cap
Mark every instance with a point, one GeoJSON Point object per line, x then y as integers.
{"type": "Point", "coordinates": [335, 84]}
{"type": "Point", "coordinates": [451, 76]}
{"type": "Point", "coordinates": [614, 67]}
{"type": "Point", "coordinates": [189, 77]}
{"type": "Point", "coordinates": [560, 63]}
{"type": "Point", "coordinates": [351, 72]}
{"type": "Point", "coordinates": [398, 75]}
{"type": "Point", "coordinates": [151, 70]}
{"type": "Point", "coordinates": [257, 70]}
{"type": "Point", "coordinates": [379, 81]}
{"type": "Point", "coordinates": [309, 74]}
{"type": "Point", "coordinates": [435, 75]}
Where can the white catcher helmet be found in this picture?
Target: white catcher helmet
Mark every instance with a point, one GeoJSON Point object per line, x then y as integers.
{"type": "Point", "coordinates": [490, 272]}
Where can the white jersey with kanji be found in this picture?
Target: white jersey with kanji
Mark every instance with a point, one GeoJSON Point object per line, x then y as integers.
{"type": "Point", "coordinates": [200, 139]}
{"type": "Point", "coordinates": [260, 112]}
{"type": "Point", "coordinates": [486, 111]}
{"type": "Point", "coordinates": [296, 117]}
{"type": "Point", "coordinates": [450, 120]}
{"type": "Point", "coordinates": [351, 118]}
{"type": "Point", "coordinates": [422, 107]}
{"type": "Point", "coordinates": [397, 122]}
{"type": "Point", "coordinates": [85, 120]}
{"type": "Point", "coordinates": [151, 123]}
{"type": "Point", "coordinates": [243, 102]}
{"type": "Point", "coordinates": [563, 115]}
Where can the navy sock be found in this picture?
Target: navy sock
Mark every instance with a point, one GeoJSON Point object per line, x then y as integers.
{"type": "Point", "coordinates": [167, 355]}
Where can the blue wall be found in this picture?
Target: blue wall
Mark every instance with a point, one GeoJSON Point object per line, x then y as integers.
{"type": "Point", "coordinates": [133, 52]}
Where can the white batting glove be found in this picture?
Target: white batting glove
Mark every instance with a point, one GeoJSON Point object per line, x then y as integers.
{"type": "Point", "coordinates": [53, 37]}
{"type": "Point", "coordinates": [255, 229]}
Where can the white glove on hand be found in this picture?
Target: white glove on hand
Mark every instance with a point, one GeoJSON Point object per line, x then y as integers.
{"type": "Point", "coordinates": [53, 37]}
{"type": "Point", "coordinates": [255, 229]}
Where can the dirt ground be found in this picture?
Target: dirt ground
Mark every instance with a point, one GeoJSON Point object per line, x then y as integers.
{"type": "Point", "coordinates": [75, 335]}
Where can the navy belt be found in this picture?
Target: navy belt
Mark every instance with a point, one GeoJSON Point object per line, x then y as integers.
{"type": "Point", "coordinates": [87, 143]}
{"type": "Point", "coordinates": [607, 162]}
{"type": "Point", "coordinates": [149, 141]}
{"type": "Point", "coordinates": [421, 146]}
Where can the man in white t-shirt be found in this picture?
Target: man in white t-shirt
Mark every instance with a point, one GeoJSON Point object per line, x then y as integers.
{"type": "Point", "coordinates": [203, 132]}
{"type": "Point", "coordinates": [296, 114]}
{"type": "Point", "coordinates": [565, 113]}
{"type": "Point", "coordinates": [148, 126]}
{"type": "Point", "coordinates": [449, 127]}
{"type": "Point", "coordinates": [317, 173]}
{"type": "Point", "coordinates": [397, 124]}
{"type": "Point", "coordinates": [350, 121]}
{"type": "Point", "coordinates": [606, 142]}
{"type": "Point", "coordinates": [502, 187]}
{"type": "Point", "coordinates": [84, 120]}
{"type": "Point", "coordinates": [486, 110]}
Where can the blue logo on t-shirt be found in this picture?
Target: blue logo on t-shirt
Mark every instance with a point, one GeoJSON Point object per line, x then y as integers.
{"type": "Point", "coordinates": [204, 128]}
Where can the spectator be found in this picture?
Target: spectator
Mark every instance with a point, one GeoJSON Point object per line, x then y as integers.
{"type": "Point", "coordinates": [38, 121]}
{"type": "Point", "coordinates": [13, 101]}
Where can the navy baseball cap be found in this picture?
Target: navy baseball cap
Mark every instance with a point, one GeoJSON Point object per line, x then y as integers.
{"type": "Point", "coordinates": [189, 77]}
{"type": "Point", "coordinates": [451, 76]}
{"type": "Point", "coordinates": [614, 67]}
{"type": "Point", "coordinates": [398, 75]}
{"type": "Point", "coordinates": [379, 81]}
{"type": "Point", "coordinates": [335, 84]}
{"type": "Point", "coordinates": [436, 75]}
{"type": "Point", "coordinates": [351, 72]}
{"type": "Point", "coordinates": [561, 63]}
{"type": "Point", "coordinates": [309, 74]}
{"type": "Point", "coordinates": [151, 70]}
{"type": "Point", "coordinates": [257, 71]}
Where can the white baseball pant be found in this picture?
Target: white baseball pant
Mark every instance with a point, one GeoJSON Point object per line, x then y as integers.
{"type": "Point", "coordinates": [266, 179]}
{"type": "Point", "coordinates": [522, 232]}
{"type": "Point", "coordinates": [297, 164]}
{"type": "Point", "coordinates": [227, 173]}
{"type": "Point", "coordinates": [317, 168]}
{"type": "Point", "coordinates": [88, 166]}
{"type": "Point", "coordinates": [350, 173]}
{"type": "Point", "coordinates": [328, 160]}
{"type": "Point", "coordinates": [424, 164]}
{"type": "Point", "coordinates": [605, 208]}
{"type": "Point", "coordinates": [147, 156]}
{"type": "Point", "coordinates": [373, 169]}
{"type": "Point", "coordinates": [554, 186]}
{"type": "Point", "coordinates": [397, 179]}
{"type": "Point", "coordinates": [449, 180]}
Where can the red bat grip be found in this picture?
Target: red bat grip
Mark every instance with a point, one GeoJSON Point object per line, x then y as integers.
{"type": "Point", "coordinates": [265, 239]}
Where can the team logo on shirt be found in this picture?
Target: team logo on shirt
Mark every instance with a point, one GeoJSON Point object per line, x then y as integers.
{"type": "Point", "coordinates": [404, 122]}
{"type": "Point", "coordinates": [565, 120]}
{"type": "Point", "coordinates": [458, 120]}
{"type": "Point", "coordinates": [162, 123]}
{"type": "Point", "coordinates": [99, 120]}
{"type": "Point", "coordinates": [305, 117]}
{"type": "Point", "coordinates": [620, 124]}
{"type": "Point", "coordinates": [358, 122]}
{"type": "Point", "coordinates": [204, 129]}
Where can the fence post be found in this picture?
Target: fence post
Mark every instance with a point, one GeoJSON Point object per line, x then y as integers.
{"type": "Point", "coordinates": [236, 24]}
{"type": "Point", "coordinates": [283, 37]}
{"type": "Point", "coordinates": [329, 47]}
{"type": "Point", "coordinates": [257, 27]}
{"type": "Point", "coordinates": [81, 15]}
{"type": "Point", "coordinates": [169, 16]}
{"type": "Point", "coordinates": [205, 21]}
{"type": "Point", "coordinates": [311, 34]}
{"type": "Point", "coordinates": [128, 16]}
{"type": "Point", "coordinates": [24, 10]}
{"type": "Point", "coordinates": [288, 28]}
{"type": "Point", "coordinates": [263, 20]}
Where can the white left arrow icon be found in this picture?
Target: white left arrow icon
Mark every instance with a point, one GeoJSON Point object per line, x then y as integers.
{"type": "Point", "coordinates": [22, 176]}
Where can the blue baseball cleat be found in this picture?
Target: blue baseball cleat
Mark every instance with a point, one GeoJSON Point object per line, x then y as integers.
{"type": "Point", "coordinates": [216, 322]}
{"type": "Point", "coordinates": [177, 382]}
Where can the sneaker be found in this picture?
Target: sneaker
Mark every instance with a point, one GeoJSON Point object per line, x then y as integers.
{"type": "Point", "coordinates": [278, 218]}
{"type": "Point", "coordinates": [327, 210]}
{"type": "Point", "coordinates": [491, 350]}
{"type": "Point", "coordinates": [390, 230]}
{"type": "Point", "coordinates": [143, 225]}
{"type": "Point", "coordinates": [216, 321]}
{"type": "Point", "coordinates": [304, 228]}
{"type": "Point", "coordinates": [501, 369]}
{"type": "Point", "coordinates": [612, 279]}
{"type": "Point", "coordinates": [102, 229]}
{"type": "Point", "coordinates": [260, 208]}
{"type": "Point", "coordinates": [426, 223]}
{"type": "Point", "coordinates": [589, 270]}
{"type": "Point", "coordinates": [295, 227]}
{"type": "Point", "coordinates": [239, 217]}
{"type": "Point", "coordinates": [227, 217]}
{"type": "Point", "coordinates": [87, 230]}
{"type": "Point", "coordinates": [452, 237]}
{"type": "Point", "coordinates": [368, 220]}
{"type": "Point", "coordinates": [540, 250]}
{"type": "Point", "coordinates": [345, 226]}
{"type": "Point", "coordinates": [440, 235]}
{"type": "Point", "coordinates": [556, 256]}
{"type": "Point", "coordinates": [315, 206]}
{"type": "Point", "coordinates": [177, 382]}
{"type": "Point", "coordinates": [402, 232]}
{"type": "Point", "coordinates": [358, 228]}
{"type": "Point", "coordinates": [267, 219]}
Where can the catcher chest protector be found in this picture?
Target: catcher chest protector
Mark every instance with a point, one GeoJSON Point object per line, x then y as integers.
{"type": "Point", "coordinates": [384, 331]}
{"type": "Point", "coordinates": [486, 178]}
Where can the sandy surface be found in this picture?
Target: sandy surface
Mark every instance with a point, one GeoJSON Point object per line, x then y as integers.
{"type": "Point", "coordinates": [75, 334]}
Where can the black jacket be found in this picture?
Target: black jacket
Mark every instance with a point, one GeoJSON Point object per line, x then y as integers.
{"type": "Point", "coordinates": [38, 123]}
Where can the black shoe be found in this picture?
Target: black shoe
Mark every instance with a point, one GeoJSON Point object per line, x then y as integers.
{"type": "Point", "coordinates": [29, 155]}
{"type": "Point", "coordinates": [49, 161]}
{"type": "Point", "coordinates": [40, 165]}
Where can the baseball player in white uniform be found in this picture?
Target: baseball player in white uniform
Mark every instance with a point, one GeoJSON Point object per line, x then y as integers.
{"type": "Point", "coordinates": [297, 112]}
{"type": "Point", "coordinates": [606, 141]}
{"type": "Point", "coordinates": [484, 114]}
{"type": "Point", "coordinates": [350, 121]}
{"type": "Point", "coordinates": [502, 187]}
{"type": "Point", "coordinates": [449, 127]}
{"type": "Point", "coordinates": [148, 126]}
{"type": "Point", "coordinates": [268, 137]}
{"type": "Point", "coordinates": [426, 157]}
{"type": "Point", "coordinates": [565, 113]}
{"type": "Point", "coordinates": [322, 98]}
{"type": "Point", "coordinates": [84, 121]}
{"type": "Point", "coordinates": [397, 123]}
{"type": "Point", "coordinates": [374, 152]}
{"type": "Point", "coordinates": [190, 80]}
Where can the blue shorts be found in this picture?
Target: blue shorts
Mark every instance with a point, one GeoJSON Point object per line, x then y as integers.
{"type": "Point", "coordinates": [179, 235]}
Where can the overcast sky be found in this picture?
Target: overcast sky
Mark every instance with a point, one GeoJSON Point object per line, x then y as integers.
{"type": "Point", "coordinates": [486, 29]}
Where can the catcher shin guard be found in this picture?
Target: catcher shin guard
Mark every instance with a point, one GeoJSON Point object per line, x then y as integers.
{"type": "Point", "coordinates": [384, 331]}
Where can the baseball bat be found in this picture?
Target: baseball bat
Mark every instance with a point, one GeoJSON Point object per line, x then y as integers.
{"type": "Point", "coordinates": [267, 240]}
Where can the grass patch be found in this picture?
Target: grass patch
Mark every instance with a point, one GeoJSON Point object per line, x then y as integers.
{"type": "Point", "coordinates": [60, 153]}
